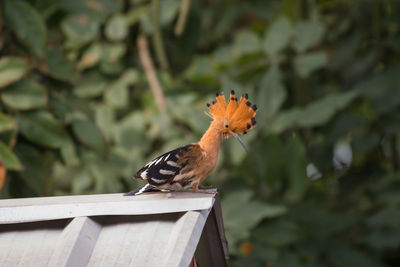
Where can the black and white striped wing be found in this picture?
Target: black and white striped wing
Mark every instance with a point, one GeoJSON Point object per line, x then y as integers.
{"type": "Point", "coordinates": [164, 168]}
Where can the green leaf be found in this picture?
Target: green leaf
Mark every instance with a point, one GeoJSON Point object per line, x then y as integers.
{"type": "Point", "coordinates": [106, 173]}
{"type": "Point", "coordinates": [315, 114]}
{"type": "Point", "coordinates": [117, 95]}
{"type": "Point", "coordinates": [90, 57]}
{"type": "Point", "coordinates": [383, 238]}
{"type": "Point", "coordinates": [277, 36]}
{"type": "Point", "coordinates": [136, 14]}
{"type": "Point", "coordinates": [69, 155]}
{"type": "Point", "coordinates": [33, 172]}
{"type": "Point", "coordinates": [97, 9]}
{"type": "Point", "coordinates": [236, 151]}
{"type": "Point", "coordinates": [246, 42]}
{"type": "Point", "coordinates": [385, 218]}
{"type": "Point", "coordinates": [285, 120]}
{"type": "Point", "coordinates": [322, 110]}
{"type": "Point", "coordinates": [251, 213]}
{"type": "Point", "coordinates": [296, 165]}
{"type": "Point", "coordinates": [116, 28]}
{"type": "Point", "coordinates": [111, 56]}
{"type": "Point", "coordinates": [89, 135]}
{"type": "Point", "coordinates": [43, 129]}
{"type": "Point", "coordinates": [6, 123]}
{"type": "Point", "coordinates": [222, 55]}
{"type": "Point", "coordinates": [8, 158]}
{"type": "Point", "coordinates": [306, 64]}
{"type": "Point", "coordinates": [343, 255]}
{"type": "Point", "coordinates": [79, 30]}
{"type": "Point", "coordinates": [271, 95]}
{"type": "Point", "coordinates": [27, 24]}
{"type": "Point", "coordinates": [307, 34]}
{"type": "Point", "coordinates": [200, 68]}
{"type": "Point", "coordinates": [382, 90]}
{"type": "Point", "coordinates": [25, 95]}
{"type": "Point", "coordinates": [12, 69]}
{"type": "Point", "coordinates": [168, 11]}
{"type": "Point", "coordinates": [278, 232]}
{"type": "Point", "coordinates": [59, 67]}
{"type": "Point", "coordinates": [105, 119]}
{"type": "Point", "coordinates": [93, 85]}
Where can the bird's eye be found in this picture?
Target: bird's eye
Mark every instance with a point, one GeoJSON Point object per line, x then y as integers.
{"type": "Point", "coordinates": [226, 125]}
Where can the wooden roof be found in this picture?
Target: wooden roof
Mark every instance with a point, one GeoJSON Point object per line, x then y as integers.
{"type": "Point", "coordinates": [154, 229]}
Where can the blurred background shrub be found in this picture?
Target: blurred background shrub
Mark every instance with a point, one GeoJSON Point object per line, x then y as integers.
{"type": "Point", "coordinates": [91, 90]}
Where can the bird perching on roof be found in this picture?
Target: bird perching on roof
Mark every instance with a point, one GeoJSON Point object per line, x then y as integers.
{"type": "Point", "coordinates": [187, 166]}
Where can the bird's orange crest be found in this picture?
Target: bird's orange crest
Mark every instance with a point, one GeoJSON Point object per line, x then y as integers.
{"type": "Point", "coordinates": [239, 116]}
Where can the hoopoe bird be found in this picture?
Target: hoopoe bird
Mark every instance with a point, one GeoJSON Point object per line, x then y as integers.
{"type": "Point", "coordinates": [187, 166]}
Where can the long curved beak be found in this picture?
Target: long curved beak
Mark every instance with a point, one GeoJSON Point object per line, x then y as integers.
{"type": "Point", "coordinates": [240, 140]}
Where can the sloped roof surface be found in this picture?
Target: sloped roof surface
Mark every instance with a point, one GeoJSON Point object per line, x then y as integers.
{"type": "Point", "coordinates": [156, 229]}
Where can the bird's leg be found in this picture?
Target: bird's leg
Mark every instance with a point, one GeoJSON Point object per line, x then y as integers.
{"type": "Point", "coordinates": [195, 186]}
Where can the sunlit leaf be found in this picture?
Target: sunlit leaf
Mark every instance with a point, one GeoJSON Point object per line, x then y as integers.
{"type": "Point", "coordinates": [223, 55]}
{"type": "Point", "coordinates": [246, 42]}
{"type": "Point", "coordinates": [6, 123]}
{"type": "Point", "coordinates": [105, 119]}
{"type": "Point", "coordinates": [168, 10]}
{"type": "Point", "coordinates": [116, 95]}
{"type": "Point", "coordinates": [12, 69]}
{"type": "Point", "coordinates": [116, 28]}
{"type": "Point", "coordinates": [92, 86]}
{"type": "Point", "coordinates": [136, 14]}
{"type": "Point", "coordinates": [89, 135]}
{"type": "Point", "coordinates": [307, 34]}
{"type": "Point", "coordinates": [25, 95]}
{"type": "Point", "coordinates": [321, 110]}
{"type": "Point", "coordinates": [201, 67]}
{"type": "Point", "coordinates": [277, 36]}
{"type": "Point", "coordinates": [43, 129]}
{"type": "Point", "coordinates": [90, 57]}
{"type": "Point", "coordinates": [316, 113]}
{"type": "Point", "coordinates": [79, 29]}
{"type": "Point", "coordinates": [8, 159]}
{"type": "Point", "coordinates": [271, 95]}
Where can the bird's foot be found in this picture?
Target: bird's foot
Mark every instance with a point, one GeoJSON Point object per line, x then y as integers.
{"type": "Point", "coordinates": [206, 187]}
{"type": "Point", "coordinates": [207, 191]}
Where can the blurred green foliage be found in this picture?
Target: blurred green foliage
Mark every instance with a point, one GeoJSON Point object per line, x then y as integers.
{"type": "Point", "coordinates": [320, 186]}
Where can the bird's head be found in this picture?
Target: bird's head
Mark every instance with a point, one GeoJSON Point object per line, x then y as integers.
{"type": "Point", "coordinates": [235, 117]}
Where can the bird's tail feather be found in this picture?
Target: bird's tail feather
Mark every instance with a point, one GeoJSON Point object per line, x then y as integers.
{"type": "Point", "coordinates": [140, 190]}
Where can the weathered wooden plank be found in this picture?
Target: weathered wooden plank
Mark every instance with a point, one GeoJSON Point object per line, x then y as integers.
{"type": "Point", "coordinates": [29, 244]}
{"type": "Point", "coordinates": [220, 225]}
{"type": "Point", "coordinates": [210, 251]}
{"type": "Point", "coordinates": [75, 244]}
{"type": "Point", "coordinates": [133, 240]}
{"type": "Point", "coordinates": [51, 208]}
{"type": "Point", "coordinates": [184, 238]}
